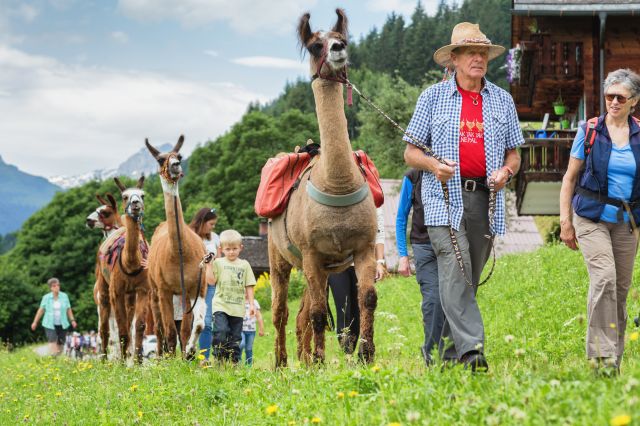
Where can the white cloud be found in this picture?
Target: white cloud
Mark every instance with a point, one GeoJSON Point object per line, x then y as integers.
{"type": "Point", "coordinates": [63, 120]}
{"type": "Point", "coordinates": [212, 53]}
{"type": "Point", "coordinates": [119, 37]}
{"type": "Point", "coordinates": [403, 7]}
{"type": "Point", "coordinates": [270, 62]}
{"type": "Point", "coordinates": [244, 16]}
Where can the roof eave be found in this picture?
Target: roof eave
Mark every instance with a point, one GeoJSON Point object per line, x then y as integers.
{"type": "Point", "coordinates": [576, 9]}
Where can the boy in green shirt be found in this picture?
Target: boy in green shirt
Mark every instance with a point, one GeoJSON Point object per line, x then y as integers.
{"type": "Point", "coordinates": [234, 281]}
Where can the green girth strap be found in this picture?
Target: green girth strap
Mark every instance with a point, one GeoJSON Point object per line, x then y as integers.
{"type": "Point", "coordinates": [337, 200]}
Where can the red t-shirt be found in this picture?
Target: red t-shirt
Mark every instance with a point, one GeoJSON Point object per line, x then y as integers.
{"type": "Point", "coordinates": [472, 158]}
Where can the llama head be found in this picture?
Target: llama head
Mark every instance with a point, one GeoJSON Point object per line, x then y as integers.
{"type": "Point", "coordinates": [327, 50]}
{"type": "Point", "coordinates": [106, 216]}
{"type": "Point", "coordinates": [170, 162]}
{"type": "Point", "coordinates": [132, 198]}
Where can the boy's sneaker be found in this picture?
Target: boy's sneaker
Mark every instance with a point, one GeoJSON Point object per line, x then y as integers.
{"type": "Point", "coordinates": [428, 359]}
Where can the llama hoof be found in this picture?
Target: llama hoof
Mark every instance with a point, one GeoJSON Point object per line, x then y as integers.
{"type": "Point", "coordinates": [366, 355]}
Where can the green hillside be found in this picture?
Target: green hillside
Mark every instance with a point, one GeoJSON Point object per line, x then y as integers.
{"type": "Point", "coordinates": [533, 308]}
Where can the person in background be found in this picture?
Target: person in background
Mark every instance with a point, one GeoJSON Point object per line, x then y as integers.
{"type": "Point", "coordinates": [600, 209]}
{"type": "Point", "coordinates": [425, 258]}
{"type": "Point", "coordinates": [344, 288]}
{"type": "Point", "coordinates": [249, 331]}
{"type": "Point", "coordinates": [203, 224]}
{"type": "Point", "coordinates": [55, 311]}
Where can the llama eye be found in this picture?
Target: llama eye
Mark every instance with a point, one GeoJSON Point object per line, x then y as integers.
{"type": "Point", "coordinates": [315, 49]}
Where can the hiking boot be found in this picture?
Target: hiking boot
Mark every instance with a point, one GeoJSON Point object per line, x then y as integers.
{"type": "Point", "coordinates": [475, 361]}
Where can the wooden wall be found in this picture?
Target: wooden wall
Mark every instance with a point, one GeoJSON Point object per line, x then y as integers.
{"type": "Point", "coordinates": [535, 93]}
{"type": "Point", "coordinates": [560, 51]}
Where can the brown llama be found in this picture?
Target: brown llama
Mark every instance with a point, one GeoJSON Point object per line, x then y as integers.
{"type": "Point", "coordinates": [125, 282]}
{"type": "Point", "coordinates": [107, 219]}
{"type": "Point", "coordinates": [176, 251]}
{"type": "Point", "coordinates": [323, 234]}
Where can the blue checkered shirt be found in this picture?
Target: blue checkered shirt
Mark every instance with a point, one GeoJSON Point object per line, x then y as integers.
{"type": "Point", "coordinates": [436, 123]}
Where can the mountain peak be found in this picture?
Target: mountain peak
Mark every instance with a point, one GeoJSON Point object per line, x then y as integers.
{"type": "Point", "coordinates": [141, 162]}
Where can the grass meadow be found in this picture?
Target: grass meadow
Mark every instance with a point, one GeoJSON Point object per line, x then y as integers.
{"type": "Point", "coordinates": [534, 313]}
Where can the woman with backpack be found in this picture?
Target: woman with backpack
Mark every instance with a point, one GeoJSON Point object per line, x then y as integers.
{"type": "Point", "coordinates": [600, 210]}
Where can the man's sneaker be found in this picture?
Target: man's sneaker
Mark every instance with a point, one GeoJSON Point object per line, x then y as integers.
{"type": "Point", "coordinates": [475, 361]}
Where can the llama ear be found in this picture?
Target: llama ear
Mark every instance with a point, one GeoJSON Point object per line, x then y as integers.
{"type": "Point", "coordinates": [151, 149]}
{"type": "Point", "coordinates": [176, 148]}
{"type": "Point", "coordinates": [101, 200]}
{"type": "Point", "coordinates": [341, 24]}
{"type": "Point", "coordinates": [140, 182]}
{"type": "Point", "coordinates": [304, 30]}
{"type": "Point", "coordinates": [112, 201]}
{"type": "Point", "coordinates": [119, 184]}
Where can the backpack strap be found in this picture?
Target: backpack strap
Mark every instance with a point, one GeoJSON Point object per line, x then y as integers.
{"type": "Point", "coordinates": [590, 138]}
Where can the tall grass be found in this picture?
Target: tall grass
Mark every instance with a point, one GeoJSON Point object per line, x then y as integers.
{"type": "Point", "coordinates": [533, 309]}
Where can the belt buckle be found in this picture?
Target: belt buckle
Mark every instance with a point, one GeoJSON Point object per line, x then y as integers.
{"type": "Point", "coordinates": [470, 185]}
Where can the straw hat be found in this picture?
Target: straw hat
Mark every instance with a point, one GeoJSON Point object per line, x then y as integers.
{"type": "Point", "coordinates": [466, 34]}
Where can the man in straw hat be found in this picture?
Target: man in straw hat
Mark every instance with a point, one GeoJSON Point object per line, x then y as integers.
{"type": "Point", "coordinates": [472, 124]}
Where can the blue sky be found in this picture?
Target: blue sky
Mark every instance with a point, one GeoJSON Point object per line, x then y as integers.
{"type": "Point", "coordinates": [83, 82]}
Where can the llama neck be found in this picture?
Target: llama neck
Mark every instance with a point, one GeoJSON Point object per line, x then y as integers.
{"type": "Point", "coordinates": [131, 252]}
{"type": "Point", "coordinates": [338, 173]}
{"type": "Point", "coordinates": [173, 209]}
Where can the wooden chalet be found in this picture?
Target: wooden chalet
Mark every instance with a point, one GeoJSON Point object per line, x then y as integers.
{"type": "Point", "coordinates": [566, 49]}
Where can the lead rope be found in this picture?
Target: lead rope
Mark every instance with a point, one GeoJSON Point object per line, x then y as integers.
{"type": "Point", "coordinates": [445, 191]}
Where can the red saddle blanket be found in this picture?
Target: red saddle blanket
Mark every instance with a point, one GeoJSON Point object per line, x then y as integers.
{"type": "Point", "coordinates": [279, 175]}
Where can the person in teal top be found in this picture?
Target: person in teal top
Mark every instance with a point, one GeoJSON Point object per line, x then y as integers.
{"type": "Point", "coordinates": [55, 311]}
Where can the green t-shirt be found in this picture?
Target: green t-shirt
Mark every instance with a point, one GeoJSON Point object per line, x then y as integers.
{"type": "Point", "coordinates": [232, 278]}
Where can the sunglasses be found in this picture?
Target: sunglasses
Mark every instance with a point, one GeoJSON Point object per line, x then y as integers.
{"type": "Point", "coordinates": [621, 99]}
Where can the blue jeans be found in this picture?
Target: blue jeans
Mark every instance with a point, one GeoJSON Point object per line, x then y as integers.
{"type": "Point", "coordinates": [206, 336]}
{"type": "Point", "coordinates": [227, 335]}
{"type": "Point", "coordinates": [427, 276]}
{"type": "Point", "coordinates": [246, 345]}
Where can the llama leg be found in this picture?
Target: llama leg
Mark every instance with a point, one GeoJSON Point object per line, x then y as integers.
{"type": "Point", "coordinates": [105, 314]}
{"type": "Point", "coordinates": [303, 329]}
{"type": "Point", "coordinates": [367, 302]}
{"type": "Point", "coordinates": [130, 305]}
{"type": "Point", "coordinates": [166, 309]}
{"type": "Point", "coordinates": [185, 329]}
{"type": "Point", "coordinates": [117, 298]}
{"type": "Point", "coordinates": [142, 307]}
{"type": "Point", "coordinates": [317, 290]}
{"type": "Point", "coordinates": [280, 271]}
{"type": "Point", "coordinates": [197, 318]}
{"type": "Point", "coordinates": [157, 320]}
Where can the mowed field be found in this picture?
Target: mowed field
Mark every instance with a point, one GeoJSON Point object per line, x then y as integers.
{"type": "Point", "coordinates": [534, 312]}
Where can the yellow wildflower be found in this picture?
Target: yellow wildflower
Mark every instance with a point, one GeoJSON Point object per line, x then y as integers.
{"type": "Point", "coordinates": [272, 409]}
{"type": "Point", "coordinates": [133, 387]}
{"type": "Point", "coordinates": [634, 336]}
{"type": "Point", "coordinates": [375, 368]}
{"type": "Point", "coordinates": [140, 414]}
{"type": "Point", "coordinates": [58, 393]}
{"type": "Point", "coordinates": [340, 395]}
{"type": "Point", "coordinates": [353, 394]}
{"type": "Point", "coordinates": [316, 420]}
{"type": "Point", "coordinates": [621, 420]}
{"type": "Point", "coordinates": [394, 424]}
{"type": "Point", "coordinates": [200, 357]}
